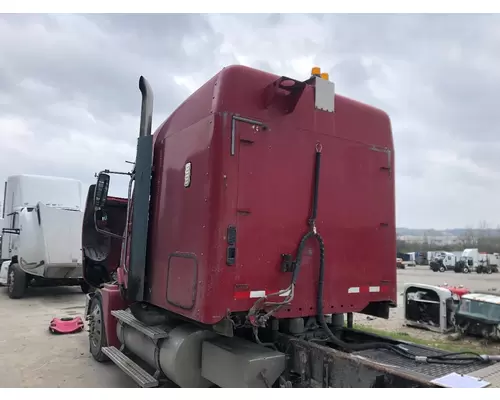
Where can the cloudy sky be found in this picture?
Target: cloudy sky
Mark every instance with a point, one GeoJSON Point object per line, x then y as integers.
{"type": "Point", "coordinates": [69, 103]}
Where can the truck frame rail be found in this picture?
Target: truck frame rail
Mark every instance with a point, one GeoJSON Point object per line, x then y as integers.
{"type": "Point", "coordinates": [316, 364]}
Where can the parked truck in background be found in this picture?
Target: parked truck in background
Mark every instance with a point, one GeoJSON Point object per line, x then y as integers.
{"type": "Point", "coordinates": [41, 237]}
{"type": "Point", "coordinates": [493, 259]}
{"type": "Point", "coordinates": [443, 261]}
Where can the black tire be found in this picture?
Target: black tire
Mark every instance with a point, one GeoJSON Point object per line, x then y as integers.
{"type": "Point", "coordinates": [489, 271]}
{"type": "Point", "coordinates": [97, 330]}
{"type": "Point", "coordinates": [466, 270]}
{"type": "Point", "coordinates": [442, 269]}
{"type": "Point", "coordinates": [16, 282]}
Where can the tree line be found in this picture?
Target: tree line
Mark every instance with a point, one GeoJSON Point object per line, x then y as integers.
{"type": "Point", "coordinates": [483, 238]}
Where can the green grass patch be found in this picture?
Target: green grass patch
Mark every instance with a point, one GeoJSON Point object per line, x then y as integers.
{"type": "Point", "coordinates": [439, 343]}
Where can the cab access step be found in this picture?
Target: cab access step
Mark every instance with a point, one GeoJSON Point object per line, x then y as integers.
{"type": "Point", "coordinates": [132, 369]}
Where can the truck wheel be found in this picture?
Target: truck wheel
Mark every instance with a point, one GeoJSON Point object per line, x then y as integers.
{"type": "Point", "coordinates": [97, 333]}
{"type": "Point", "coordinates": [442, 269]}
{"type": "Point", "coordinates": [16, 282]}
{"type": "Point", "coordinates": [466, 270]}
{"type": "Point", "coordinates": [489, 271]}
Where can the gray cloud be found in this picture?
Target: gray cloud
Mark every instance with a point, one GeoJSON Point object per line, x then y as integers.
{"type": "Point", "coordinates": [69, 103]}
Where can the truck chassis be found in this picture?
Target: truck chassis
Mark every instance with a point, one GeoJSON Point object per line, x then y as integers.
{"type": "Point", "coordinates": [309, 364]}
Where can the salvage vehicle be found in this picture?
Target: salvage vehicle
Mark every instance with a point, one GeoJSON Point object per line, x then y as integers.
{"type": "Point", "coordinates": [41, 237]}
{"type": "Point", "coordinates": [478, 314]}
{"type": "Point", "coordinates": [432, 307]}
{"type": "Point", "coordinates": [202, 281]}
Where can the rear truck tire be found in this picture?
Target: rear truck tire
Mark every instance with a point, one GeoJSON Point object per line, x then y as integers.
{"type": "Point", "coordinates": [16, 282]}
{"type": "Point", "coordinates": [489, 271]}
{"type": "Point", "coordinates": [97, 332]}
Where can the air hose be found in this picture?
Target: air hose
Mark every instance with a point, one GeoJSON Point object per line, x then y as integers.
{"type": "Point", "coordinates": [447, 358]}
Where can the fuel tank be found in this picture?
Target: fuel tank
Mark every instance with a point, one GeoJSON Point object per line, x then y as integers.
{"type": "Point", "coordinates": [178, 356]}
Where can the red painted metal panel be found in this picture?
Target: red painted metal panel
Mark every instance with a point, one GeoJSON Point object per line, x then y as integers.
{"type": "Point", "coordinates": [264, 189]}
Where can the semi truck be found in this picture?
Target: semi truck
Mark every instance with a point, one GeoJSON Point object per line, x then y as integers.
{"type": "Point", "coordinates": [443, 261]}
{"type": "Point", "coordinates": [230, 262]}
{"type": "Point", "coordinates": [41, 236]}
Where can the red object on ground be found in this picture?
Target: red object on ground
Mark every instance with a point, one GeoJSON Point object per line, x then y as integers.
{"type": "Point", "coordinates": [459, 291]}
{"type": "Point", "coordinates": [66, 325]}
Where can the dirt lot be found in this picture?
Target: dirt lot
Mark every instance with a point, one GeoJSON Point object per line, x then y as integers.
{"type": "Point", "coordinates": [32, 357]}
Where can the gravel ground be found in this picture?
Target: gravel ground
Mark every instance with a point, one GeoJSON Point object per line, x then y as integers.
{"type": "Point", "coordinates": [422, 274]}
{"type": "Point", "coordinates": [32, 357]}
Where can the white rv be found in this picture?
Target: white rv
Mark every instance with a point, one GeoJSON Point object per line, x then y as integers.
{"type": "Point", "coordinates": [41, 233]}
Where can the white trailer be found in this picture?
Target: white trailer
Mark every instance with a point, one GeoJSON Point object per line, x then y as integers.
{"type": "Point", "coordinates": [494, 259]}
{"type": "Point", "coordinates": [42, 233]}
{"type": "Point", "coordinates": [412, 260]}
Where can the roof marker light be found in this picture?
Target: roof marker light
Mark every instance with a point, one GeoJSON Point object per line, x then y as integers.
{"type": "Point", "coordinates": [316, 71]}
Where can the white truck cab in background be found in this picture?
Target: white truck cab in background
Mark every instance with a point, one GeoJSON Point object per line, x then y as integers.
{"type": "Point", "coordinates": [472, 258]}
{"type": "Point", "coordinates": [41, 233]}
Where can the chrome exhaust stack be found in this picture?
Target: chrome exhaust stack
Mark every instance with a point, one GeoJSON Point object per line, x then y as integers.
{"type": "Point", "coordinates": [146, 107]}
